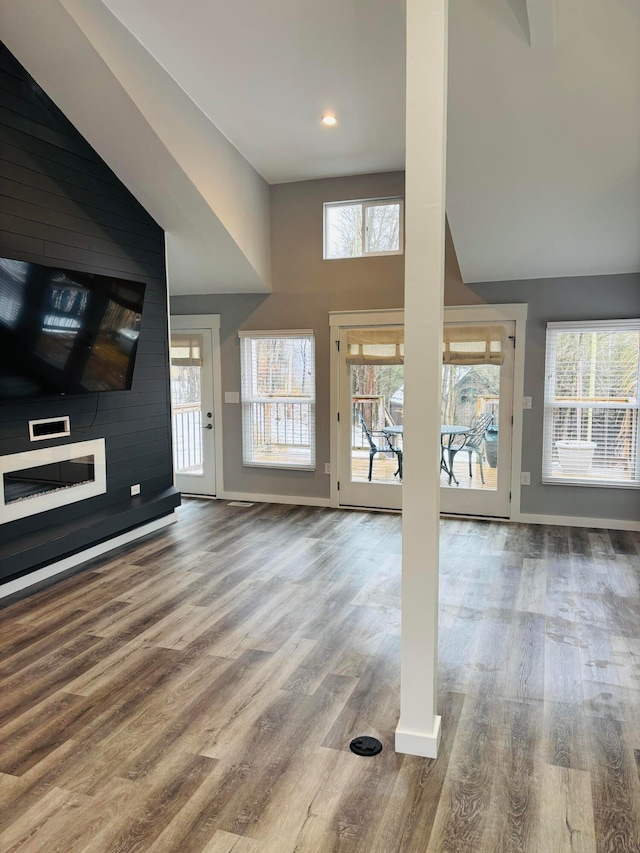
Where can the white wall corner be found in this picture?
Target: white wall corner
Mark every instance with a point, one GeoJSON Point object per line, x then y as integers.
{"type": "Point", "coordinates": [228, 183]}
{"type": "Point", "coordinates": [212, 204]}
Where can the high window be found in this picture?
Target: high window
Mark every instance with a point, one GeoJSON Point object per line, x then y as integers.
{"type": "Point", "coordinates": [355, 229]}
{"type": "Point", "coordinates": [278, 399]}
{"type": "Point", "coordinates": [592, 381]}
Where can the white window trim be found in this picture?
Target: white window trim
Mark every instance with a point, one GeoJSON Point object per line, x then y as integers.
{"type": "Point", "coordinates": [365, 202]}
{"type": "Point", "coordinates": [247, 401]}
{"type": "Point", "coordinates": [550, 404]}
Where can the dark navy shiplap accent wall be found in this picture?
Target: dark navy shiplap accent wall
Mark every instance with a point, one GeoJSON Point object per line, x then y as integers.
{"type": "Point", "coordinates": [62, 206]}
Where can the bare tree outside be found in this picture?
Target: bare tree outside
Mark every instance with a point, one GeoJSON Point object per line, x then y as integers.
{"type": "Point", "coordinates": [596, 391]}
{"type": "Point", "coordinates": [344, 231]}
{"type": "Point", "coordinates": [278, 401]}
{"type": "Point", "coordinates": [361, 228]}
{"type": "Point", "coordinates": [383, 228]}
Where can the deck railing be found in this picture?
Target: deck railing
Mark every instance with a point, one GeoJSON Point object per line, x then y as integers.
{"type": "Point", "coordinates": [282, 424]}
{"type": "Point", "coordinates": [187, 437]}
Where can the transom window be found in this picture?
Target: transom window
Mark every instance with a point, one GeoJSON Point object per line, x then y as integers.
{"type": "Point", "coordinates": [592, 384]}
{"type": "Point", "coordinates": [356, 229]}
{"type": "Point", "coordinates": [278, 399]}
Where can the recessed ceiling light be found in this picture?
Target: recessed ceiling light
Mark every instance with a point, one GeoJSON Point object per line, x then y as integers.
{"type": "Point", "coordinates": [329, 120]}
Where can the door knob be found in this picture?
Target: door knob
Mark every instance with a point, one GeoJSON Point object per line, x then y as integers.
{"type": "Point", "coordinates": [208, 426]}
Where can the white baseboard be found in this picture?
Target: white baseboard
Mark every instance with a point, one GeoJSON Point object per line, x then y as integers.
{"type": "Point", "coordinates": [53, 569]}
{"type": "Point", "coordinates": [579, 521]}
{"type": "Point", "coordinates": [419, 743]}
{"type": "Point", "coordinates": [273, 499]}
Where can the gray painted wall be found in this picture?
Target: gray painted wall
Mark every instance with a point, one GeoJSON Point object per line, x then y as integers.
{"type": "Point", "coordinates": [305, 289]}
{"type": "Point", "coordinates": [583, 298]}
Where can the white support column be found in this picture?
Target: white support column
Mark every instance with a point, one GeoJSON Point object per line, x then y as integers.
{"type": "Point", "coordinates": [418, 731]}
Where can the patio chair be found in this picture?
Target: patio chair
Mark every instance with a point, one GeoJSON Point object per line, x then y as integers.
{"type": "Point", "coordinates": [472, 442]}
{"type": "Point", "coordinates": [372, 435]}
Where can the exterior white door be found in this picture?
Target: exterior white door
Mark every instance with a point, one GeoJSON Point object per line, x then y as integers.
{"type": "Point", "coordinates": [371, 384]}
{"type": "Point", "coordinates": [192, 399]}
{"type": "Point", "coordinates": [476, 418]}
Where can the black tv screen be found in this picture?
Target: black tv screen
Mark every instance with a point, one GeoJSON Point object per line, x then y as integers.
{"type": "Point", "coordinates": [65, 332]}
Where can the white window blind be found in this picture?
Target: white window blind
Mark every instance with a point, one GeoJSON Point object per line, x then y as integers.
{"type": "Point", "coordinates": [375, 346]}
{"type": "Point", "coordinates": [472, 344]}
{"type": "Point", "coordinates": [186, 349]}
{"type": "Point", "coordinates": [592, 381]}
{"type": "Point", "coordinates": [278, 399]}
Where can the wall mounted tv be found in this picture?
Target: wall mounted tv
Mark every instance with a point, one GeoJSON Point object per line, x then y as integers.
{"type": "Point", "coordinates": [65, 332]}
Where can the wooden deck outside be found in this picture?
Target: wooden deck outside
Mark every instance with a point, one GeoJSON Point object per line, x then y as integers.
{"type": "Point", "coordinates": [384, 469]}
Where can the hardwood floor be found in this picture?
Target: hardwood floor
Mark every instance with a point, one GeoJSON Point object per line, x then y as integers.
{"type": "Point", "coordinates": [197, 692]}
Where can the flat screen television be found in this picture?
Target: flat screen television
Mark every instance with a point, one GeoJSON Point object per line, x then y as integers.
{"type": "Point", "coordinates": [65, 332]}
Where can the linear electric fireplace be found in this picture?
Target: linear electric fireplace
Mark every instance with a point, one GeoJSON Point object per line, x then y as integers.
{"type": "Point", "coordinates": [39, 480]}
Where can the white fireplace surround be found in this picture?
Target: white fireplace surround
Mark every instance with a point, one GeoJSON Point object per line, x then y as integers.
{"type": "Point", "coordinates": [59, 496]}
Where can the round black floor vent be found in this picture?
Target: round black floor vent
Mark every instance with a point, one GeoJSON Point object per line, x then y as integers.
{"type": "Point", "coordinates": [365, 745]}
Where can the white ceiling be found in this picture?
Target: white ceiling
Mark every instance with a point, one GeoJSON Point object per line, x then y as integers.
{"type": "Point", "coordinates": [544, 140]}
{"type": "Point", "coordinates": [264, 73]}
{"type": "Point", "coordinates": [544, 144]}
{"type": "Point", "coordinates": [543, 160]}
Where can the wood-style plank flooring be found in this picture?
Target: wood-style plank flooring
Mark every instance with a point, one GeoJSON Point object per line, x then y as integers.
{"type": "Point", "coordinates": [197, 692]}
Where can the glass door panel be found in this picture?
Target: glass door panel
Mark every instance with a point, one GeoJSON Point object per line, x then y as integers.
{"type": "Point", "coordinates": [371, 417]}
{"type": "Point", "coordinates": [475, 451]}
{"type": "Point", "coordinates": [192, 410]}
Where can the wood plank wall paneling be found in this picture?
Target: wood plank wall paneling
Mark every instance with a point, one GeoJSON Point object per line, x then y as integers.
{"type": "Point", "coordinates": [61, 205]}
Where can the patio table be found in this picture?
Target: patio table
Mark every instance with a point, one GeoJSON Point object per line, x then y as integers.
{"type": "Point", "coordinates": [391, 433]}
{"type": "Point", "coordinates": [449, 431]}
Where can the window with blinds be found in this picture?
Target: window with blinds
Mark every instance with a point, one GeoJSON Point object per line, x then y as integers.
{"type": "Point", "coordinates": [592, 380]}
{"type": "Point", "coordinates": [278, 399]}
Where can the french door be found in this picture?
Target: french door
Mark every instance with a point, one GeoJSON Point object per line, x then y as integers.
{"type": "Point", "coordinates": [477, 399]}
{"type": "Point", "coordinates": [476, 417]}
{"type": "Point", "coordinates": [192, 398]}
{"type": "Point", "coordinates": [371, 403]}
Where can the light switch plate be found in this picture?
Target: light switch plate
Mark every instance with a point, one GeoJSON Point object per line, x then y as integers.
{"type": "Point", "coordinates": [525, 478]}
{"type": "Point", "coordinates": [232, 396]}
{"type": "Point", "coordinates": [526, 402]}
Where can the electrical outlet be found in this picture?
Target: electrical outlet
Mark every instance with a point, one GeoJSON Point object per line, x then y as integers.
{"type": "Point", "coordinates": [135, 490]}
{"type": "Point", "coordinates": [526, 402]}
{"type": "Point", "coordinates": [327, 467]}
{"type": "Point", "coordinates": [525, 478]}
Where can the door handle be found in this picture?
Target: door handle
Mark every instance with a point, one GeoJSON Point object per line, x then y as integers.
{"type": "Point", "coordinates": [208, 426]}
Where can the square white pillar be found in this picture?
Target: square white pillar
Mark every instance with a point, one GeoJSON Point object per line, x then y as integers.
{"type": "Point", "coordinates": [418, 731]}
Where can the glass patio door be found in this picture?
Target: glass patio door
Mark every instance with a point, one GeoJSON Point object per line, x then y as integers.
{"type": "Point", "coordinates": [371, 408]}
{"type": "Point", "coordinates": [476, 418]}
{"type": "Point", "coordinates": [192, 409]}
